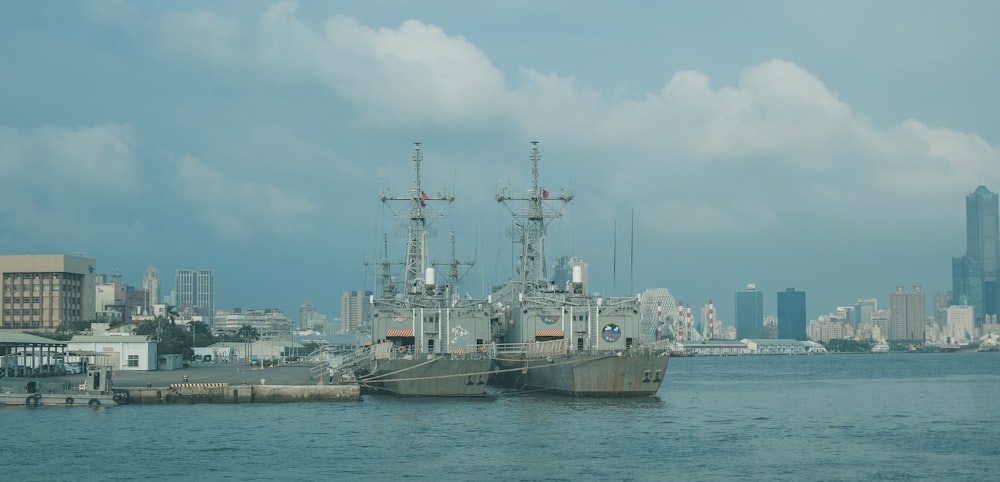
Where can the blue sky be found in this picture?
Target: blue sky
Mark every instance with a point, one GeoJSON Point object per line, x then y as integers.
{"type": "Point", "coordinates": [825, 146]}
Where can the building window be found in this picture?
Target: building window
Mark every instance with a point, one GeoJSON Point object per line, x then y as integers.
{"type": "Point", "coordinates": [133, 361]}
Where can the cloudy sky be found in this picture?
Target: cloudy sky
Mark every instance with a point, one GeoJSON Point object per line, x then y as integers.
{"type": "Point", "coordinates": [825, 146]}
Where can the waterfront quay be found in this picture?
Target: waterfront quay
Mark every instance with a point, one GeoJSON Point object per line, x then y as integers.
{"type": "Point", "coordinates": [210, 383]}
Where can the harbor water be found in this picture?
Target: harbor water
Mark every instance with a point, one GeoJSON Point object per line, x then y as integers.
{"type": "Point", "coordinates": [822, 417]}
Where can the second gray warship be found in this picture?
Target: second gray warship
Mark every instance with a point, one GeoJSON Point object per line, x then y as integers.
{"type": "Point", "coordinates": [425, 339]}
{"type": "Point", "coordinates": [562, 339]}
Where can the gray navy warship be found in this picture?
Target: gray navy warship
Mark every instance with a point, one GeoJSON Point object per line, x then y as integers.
{"type": "Point", "coordinates": [425, 339]}
{"type": "Point", "coordinates": [562, 339]}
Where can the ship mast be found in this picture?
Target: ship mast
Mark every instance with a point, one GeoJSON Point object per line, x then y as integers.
{"type": "Point", "coordinates": [454, 274]}
{"type": "Point", "coordinates": [388, 287]}
{"type": "Point", "coordinates": [418, 217]}
{"type": "Point", "coordinates": [530, 225]}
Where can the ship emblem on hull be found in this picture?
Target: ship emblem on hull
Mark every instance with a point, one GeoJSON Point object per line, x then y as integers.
{"type": "Point", "coordinates": [611, 333]}
{"type": "Point", "coordinates": [550, 319]}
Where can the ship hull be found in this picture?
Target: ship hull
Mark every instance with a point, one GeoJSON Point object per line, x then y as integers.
{"type": "Point", "coordinates": [584, 375]}
{"type": "Point", "coordinates": [435, 377]}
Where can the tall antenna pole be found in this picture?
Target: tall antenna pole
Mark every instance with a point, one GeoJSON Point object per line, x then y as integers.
{"type": "Point", "coordinates": [614, 258]}
{"type": "Point", "coordinates": [631, 255]}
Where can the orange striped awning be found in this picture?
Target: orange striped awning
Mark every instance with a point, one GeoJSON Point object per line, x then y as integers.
{"type": "Point", "coordinates": [390, 333]}
{"type": "Point", "coordinates": [548, 333]}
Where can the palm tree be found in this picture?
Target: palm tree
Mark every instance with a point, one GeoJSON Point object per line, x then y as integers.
{"type": "Point", "coordinates": [170, 311]}
{"type": "Point", "coordinates": [169, 314]}
{"type": "Point", "coordinates": [197, 327]}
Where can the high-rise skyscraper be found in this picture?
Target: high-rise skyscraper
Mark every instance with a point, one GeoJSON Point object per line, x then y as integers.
{"type": "Point", "coordinates": [749, 313]}
{"type": "Point", "coordinates": [974, 276]}
{"type": "Point", "coordinates": [792, 314]}
{"type": "Point", "coordinates": [907, 320]}
{"type": "Point", "coordinates": [151, 284]}
{"type": "Point", "coordinates": [196, 289]}
{"type": "Point", "coordinates": [354, 310]}
{"type": "Point", "coordinates": [863, 311]}
{"type": "Point", "coordinates": [306, 313]}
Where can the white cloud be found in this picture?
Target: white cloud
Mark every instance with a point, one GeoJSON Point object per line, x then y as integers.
{"type": "Point", "coordinates": [406, 76]}
{"type": "Point", "coordinates": [235, 208]}
{"type": "Point", "coordinates": [773, 141]}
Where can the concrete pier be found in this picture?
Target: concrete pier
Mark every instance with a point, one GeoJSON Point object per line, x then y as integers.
{"type": "Point", "coordinates": [226, 383]}
{"type": "Point", "coordinates": [224, 393]}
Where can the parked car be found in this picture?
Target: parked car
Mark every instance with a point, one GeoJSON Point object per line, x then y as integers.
{"type": "Point", "coordinates": [73, 368]}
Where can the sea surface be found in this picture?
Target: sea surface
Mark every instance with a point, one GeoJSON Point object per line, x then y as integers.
{"type": "Point", "coordinates": [820, 417]}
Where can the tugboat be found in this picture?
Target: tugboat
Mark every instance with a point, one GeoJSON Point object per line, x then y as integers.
{"type": "Point", "coordinates": [95, 391]}
{"type": "Point", "coordinates": [561, 339]}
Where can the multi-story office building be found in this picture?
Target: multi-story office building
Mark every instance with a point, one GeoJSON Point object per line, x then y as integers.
{"type": "Point", "coordinates": [306, 314]}
{"type": "Point", "coordinates": [354, 310]}
{"type": "Point", "coordinates": [110, 302]}
{"type": "Point", "coordinates": [792, 314]}
{"type": "Point", "coordinates": [863, 311]}
{"type": "Point", "coordinates": [196, 289]}
{"type": "Point", "coordinates": [959, 325]}
{"type": "Point", "coordinates": [41, 292]}
{"type": "Point", "coordinates": [749, 313]}
{"type": "Point", "coordinates": [271, 324]}
{"type": "Point", "coordinates": [942, 300]}
{"type": "Point", "coordinates": [151, 285]}
{"type": "Point", "coordinates": [974, 276]}
{"type": "Point", "coordinates": [907, 319]}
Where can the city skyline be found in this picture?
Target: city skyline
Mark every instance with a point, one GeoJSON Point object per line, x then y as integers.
{"type": "Point", "coordinates": [253, 139]}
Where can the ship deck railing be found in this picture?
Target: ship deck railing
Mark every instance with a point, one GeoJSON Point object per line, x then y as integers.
{"type": "Point", "coordinates": [552, 348]}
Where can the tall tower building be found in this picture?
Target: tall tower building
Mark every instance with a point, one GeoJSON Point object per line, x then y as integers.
{"type": "Point", "coordinates": [907, 319]}
{"type": "Point", "coordinates": [306, 313]}
{"type": "Point", "coordinates": [354, 310]}
{"type": "Point", "coordinates": [864, 309]}
{"type": "Point", "coordinates": [196, 289]}
{"type": "Point", "coordinates": [151, 284]}
{"type": "Point", "coordinates": [974, 276]}
{"type": "Point", "coordinates": [792, 314]}
{"type": "Point", "coordinates": [749, 313]}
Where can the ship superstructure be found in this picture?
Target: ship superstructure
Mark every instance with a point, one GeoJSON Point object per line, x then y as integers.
{"type": "Point", "coordinates": [426, 340]}
{"type": "Point", "coordinates": [561, 338]}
